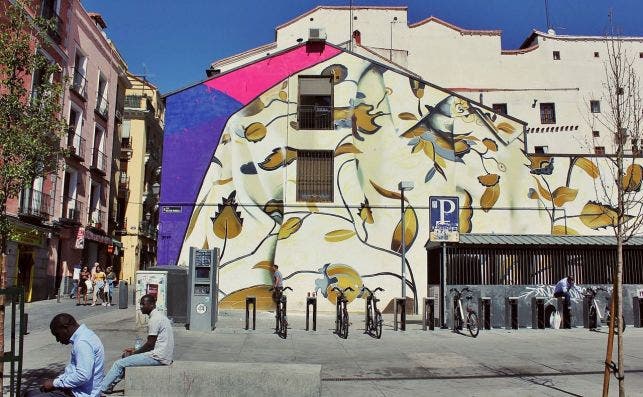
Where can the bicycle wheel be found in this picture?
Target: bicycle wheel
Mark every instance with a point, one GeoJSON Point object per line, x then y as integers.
{"type": "Point", "coordinates": [472, 324]}
{"type": "Point", "coordinates": [378, 324]}
{"type": "Point", "coordinates": [343, 332]}
{"type": "Point", "coordinates": [593, 319]}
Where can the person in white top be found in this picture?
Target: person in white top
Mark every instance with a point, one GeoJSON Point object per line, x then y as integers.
{"type": "Point", "coordinates": [157, 350]}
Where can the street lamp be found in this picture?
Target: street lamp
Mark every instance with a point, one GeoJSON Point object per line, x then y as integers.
{"type": "Point", "coordinates": [404, 186]}
{"type": "Point", "coordinates": [156, 188]}
{"type": "Point", "coordinates": [390, 54]}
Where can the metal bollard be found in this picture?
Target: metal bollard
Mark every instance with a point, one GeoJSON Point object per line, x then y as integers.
{"type": "Point", "coordinates": [400, 307]}
{"type": "Point", "coordinates": [538, 313]}
{"type": "Point", "coordinates": [311, 301]}
{"type": "Point", "coordinates": [251, 300]}
{"type": "Point", "coordinates": [511, 313]}
{"type": "Point", "coordinates": [25, 323]}
{"type": "Point", "coordinates": [637, 311]}
{"type": "Point", "coordinates": [428, 316]}
{"type": "Point", "coordinates": [485, 312]}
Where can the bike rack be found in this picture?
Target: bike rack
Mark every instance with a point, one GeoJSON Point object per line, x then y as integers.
{"type": "Point", "coordinates": [511, 313]}
{"type": "Point", "coordinates": [251, 300]}
{"type": "Point", "coordinates": [400, 307]}
{"type": "Point", "coordinates": [311, 301]}
{"type": "Point", "coordinates": [637, 309]}
{"type": "Point", "coordinates": [538, 312]}
{"type": "Point", "coordinates": [428, 315]}
{"type": "Point", "coordinates": [485, 312]}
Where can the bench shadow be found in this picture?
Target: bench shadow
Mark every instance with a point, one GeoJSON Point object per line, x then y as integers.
{"type": "Point", "coordinates": [32, 378]}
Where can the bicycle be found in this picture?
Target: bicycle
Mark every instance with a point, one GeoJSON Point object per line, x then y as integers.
{"type": "Point", "coordinates": [373, 325]}
{"type": "Point", "coordinates": [471, 321]}
{"type": "Point", "coordinates": [595, 315]}
{"type": "Point", "coordinates": [608, 315]}
{"type": "Point", "coordinates": [341, 321]}
{"type": "Point", "coordinates": [281, 320]}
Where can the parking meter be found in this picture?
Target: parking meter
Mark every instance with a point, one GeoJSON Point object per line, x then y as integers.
{"type": "Point", "coordinates": [203, 291]}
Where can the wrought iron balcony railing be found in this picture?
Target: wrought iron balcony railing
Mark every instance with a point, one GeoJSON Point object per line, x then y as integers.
{"type": "Point", "coordinates": [72, 209]}
{"type": "Point", "coordinates": [99, 161]}
{"type": "Point", "coordinates": [102, 106]}
{"type": "Point", "coordinates": [79, 84]}
{"type": "Point", "coordinates": [35, 203]}
{"type": "Point", "coordinates": [76, 144]}
{"type": "Point", "coordinates": [315, 117]}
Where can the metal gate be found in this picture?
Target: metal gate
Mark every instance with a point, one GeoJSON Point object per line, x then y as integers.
{"type": "Point", "coordinates": [15, 297]}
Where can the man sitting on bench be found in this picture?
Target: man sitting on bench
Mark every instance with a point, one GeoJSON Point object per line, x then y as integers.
{"type": "Point", "coordinates": [561, 290]}
{"type": "Point", "coordinates": [157, 350]}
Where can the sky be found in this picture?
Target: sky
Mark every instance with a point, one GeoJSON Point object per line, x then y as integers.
{"type": "Point", "coordinates": [173, 42]}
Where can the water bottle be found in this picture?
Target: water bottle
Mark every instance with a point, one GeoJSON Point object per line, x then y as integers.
{"type": "Point", "coordinates": [138, 343]}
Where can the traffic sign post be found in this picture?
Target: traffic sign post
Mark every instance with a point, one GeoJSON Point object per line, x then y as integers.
{"type": "Point", "coordinates": [444, 215]}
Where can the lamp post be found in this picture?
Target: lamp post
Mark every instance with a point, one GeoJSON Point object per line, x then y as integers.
{"type": "Point", "coordinates": [390, 53]}
{"type": "Point", "coordinates": [404, 186]}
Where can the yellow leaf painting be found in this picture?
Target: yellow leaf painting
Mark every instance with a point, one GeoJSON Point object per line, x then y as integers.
{"type": "Point", "coordinates": [290, 226]}
{"type": "Point", "coordinates": [543, 192]}
{"type": "Point", "coordinates": [255, 132]}
{"type": "Point", "coordinates": [505, 127]}
{"type": "Point", "coordinates": [385, 192]}
{"type": "Point", "coordinates": [489, 197]}
{"type": "Point", "coordinates": [410, 230]}
{"type": "Point", "coordinates": [563, 195]}
{"type": "Point", "coordinates": [278, 158]}
{"type": "Point", "coordinates": [489, 180]}
{"type": "Point", "coordinates": [562, 230]}
{"type": "Point", "coordinates": [466, 214]}
{"type": "Point", "coordinates": [589, 167]}
{"type": "Point", "coordinates": [631, 181]}
{"type": "Point", "coordinates": [339, 235]}
{"type": "Point", "coordinates": [365, 212]}
{"type": "Point", "coordinates": [347, 148]}
{"type": "Point", "coordinates": [237, 299]}
{"type": "Point", "coordinates": [265, 265]}
{"type": "Point", "coordinates": [417, 130]}
{"type": "Point", "coordinates": [596, 215]}
{"type": "Point", "coordinates": [490, 144]}
{"type": "Point", "coordinates": [407, 116]}
{"type": "Point", "coordinates": [283, 95]}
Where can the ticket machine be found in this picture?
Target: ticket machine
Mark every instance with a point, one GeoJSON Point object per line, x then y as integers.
{"type": "Point", "coordinates": [203, 291]}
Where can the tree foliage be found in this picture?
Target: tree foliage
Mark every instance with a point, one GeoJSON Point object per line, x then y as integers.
{"type": "Point", "coordinates": [31, 92]}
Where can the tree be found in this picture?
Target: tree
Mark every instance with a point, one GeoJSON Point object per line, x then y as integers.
{"type": "Point", "coordinates": [31, 127]}
{"type": "Point", "coordinates": [619, 190]}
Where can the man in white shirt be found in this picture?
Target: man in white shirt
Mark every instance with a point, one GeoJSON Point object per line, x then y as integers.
{"type": "Point", "coordinates": [157, 350]}
{"type": "Point", "coordinates": [84, 373]}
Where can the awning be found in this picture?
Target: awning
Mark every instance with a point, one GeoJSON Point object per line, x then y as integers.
{"type": "Point", "coordinates": [539, 239]}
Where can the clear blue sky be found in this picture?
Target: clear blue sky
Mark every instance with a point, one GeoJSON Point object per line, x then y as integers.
{"type": "Point", "coordinates": [175, 41]}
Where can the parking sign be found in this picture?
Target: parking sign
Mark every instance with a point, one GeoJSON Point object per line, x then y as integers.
{"type": "Point", "coordinates": [444, 212]}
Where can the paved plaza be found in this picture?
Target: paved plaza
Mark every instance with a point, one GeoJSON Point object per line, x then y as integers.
{"type": "Point", "coordinates": [498, 363]}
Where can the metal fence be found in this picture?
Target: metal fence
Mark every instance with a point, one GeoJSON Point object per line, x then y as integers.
{"type": "Point", "coordinates": [518, 265]}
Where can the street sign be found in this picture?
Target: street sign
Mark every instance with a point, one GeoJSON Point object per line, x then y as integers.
{"type": "Point", "coordinates": [444, 215]}
{"type": "Point", "coordinates": [172, 209]}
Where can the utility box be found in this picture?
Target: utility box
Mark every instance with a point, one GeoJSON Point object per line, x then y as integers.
{"type": "Point", "coordinates": [203, 289]}
{"type": "Point", "coordinates": [169, 285]}
{"type": "Point", "coordinates": [122, 294]}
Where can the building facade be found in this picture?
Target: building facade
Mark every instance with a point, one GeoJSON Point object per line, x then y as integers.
{"type": "Point", "coordinates": [296, 159]}
{"type": "Point", "coordinates": [61, 220]}
{"type": "Point", "coordinates": [140, 164]}
{"type": "Point", "coordinates": [553, 82]}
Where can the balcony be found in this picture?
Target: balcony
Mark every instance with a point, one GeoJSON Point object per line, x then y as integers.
{"type": "Point", "coordinates": [99, 162]}
{"type": "Point", "coordinates": [147, 229]}
{"type": "Point", "coordinates": [96, 218]}
{"type": "Point", "coordinates": [34, 203]}
{"type": "Point", "coordinates": [102, 106]}
{"type": "Point", "coordinates": [126, 149]}
{"type": "Point", "coordinates": [56, 24]}
{"type": "Point", "coordinates": [123, 186]}
{"type": "Point", "coordinates": [72, 208]}
{"type": "Point", "coordinates": [315, 117]}
{"type": "Point", "coordinates": [79, 84]}
{"type": "Point", "coordinates": [76, 144]}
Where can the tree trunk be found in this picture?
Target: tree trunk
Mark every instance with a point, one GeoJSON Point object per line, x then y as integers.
{"type": "Point", "coordinates": [619, 317]}
{"type": "Point", "coordinates": [3, 274]}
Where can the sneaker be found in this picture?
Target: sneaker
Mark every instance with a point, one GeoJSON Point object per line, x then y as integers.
{"type": "Point", "coordinates": [93, 304]}
{"type": "Point", "coordinates": [109, 390]}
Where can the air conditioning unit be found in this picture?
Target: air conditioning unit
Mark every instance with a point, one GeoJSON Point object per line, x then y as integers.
{"type": "Point", "coordinates": [316, 34]}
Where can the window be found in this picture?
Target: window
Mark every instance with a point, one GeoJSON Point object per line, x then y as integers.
{"type": "Point", "coordinates": [49, 10]}
{"type": "Point", "coordinates": [500, 108]}
{"type": "Point", "coordinates": [556, 55]}
{"type": "Point", "coordinates": [547, 113]}
{"type": "Point", "coordinates": [102, 105]}
{"type": "Point", "coordinates": [596, 54]}
{"type": "Point", "coordinates": [315, 171]}
{"type": "Point", "coordinates": [595, 106]}
{"type": "Point", "coordinates": [315, 109]}
{"type": "Point", "coordinates": [640, 54]}
{"type": "Point", "coordinates": [79, 82]}
{"type": "Point", "coordinates": [596, 134]}
{"type": "Point", "coordinates": [75, 141]}
{"type": "Point", "coordinates": [541, 149]}
{"type": "Point", "coordinates": [599, 150]}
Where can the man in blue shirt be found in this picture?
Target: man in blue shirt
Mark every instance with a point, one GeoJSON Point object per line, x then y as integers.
{"type": "Point", "coordinates": [84, 373]}
{"type": "Point", "coordinates": [561, 290]}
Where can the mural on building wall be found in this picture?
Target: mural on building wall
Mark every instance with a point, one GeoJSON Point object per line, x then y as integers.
{"type": "Point", "coordinates": [240, 179]}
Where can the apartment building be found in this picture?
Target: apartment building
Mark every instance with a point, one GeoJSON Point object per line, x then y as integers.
{"type": "Point", "coordinates": [139, 180]}
{"type": "Point", "coordinates": [61, 220]}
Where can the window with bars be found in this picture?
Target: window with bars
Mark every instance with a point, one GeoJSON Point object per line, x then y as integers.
{"type": "Point", "coordinates": [500, 108]}
{"type": "Point", "coordinates": [315, 174]}
{"type": "Point", "coordinates": [541, 149]}
{"type": "Point", "coordinates": [547, 113]}
{"type": "Point", "coordinates": [599, 150]}
{"type": "Point", "coordinates": [315, 110]}
{"type": "Point", "coordinates": [595, 106]}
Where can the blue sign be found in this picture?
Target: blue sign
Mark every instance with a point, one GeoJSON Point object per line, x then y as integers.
{"type": "Point", "coordinates": [444, 213]}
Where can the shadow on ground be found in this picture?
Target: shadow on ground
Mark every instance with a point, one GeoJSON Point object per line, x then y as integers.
{"type": "Point", "coordinates": [32, 378]}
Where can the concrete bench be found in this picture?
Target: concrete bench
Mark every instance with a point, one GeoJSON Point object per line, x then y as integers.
{"type": "Point", "coordinates": [201, 378]}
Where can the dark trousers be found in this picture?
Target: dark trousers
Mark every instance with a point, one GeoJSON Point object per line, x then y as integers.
{"type": "Point", "coordinates": [53, 393]}
{"type": "Point", "coordinates": [566, 312]}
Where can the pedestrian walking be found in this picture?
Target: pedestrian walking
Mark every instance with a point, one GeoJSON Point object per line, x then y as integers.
{"type": "Point", "coordinates": [75, 280]}
{"type": "Point", "coordinates": [111, 279]}
{"type": "Point", "coordinates": [84, 373]}
{"type": "Point", "coordinates": [98, 280]}
{"type": "Point", "coordinates": [157, 350]}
